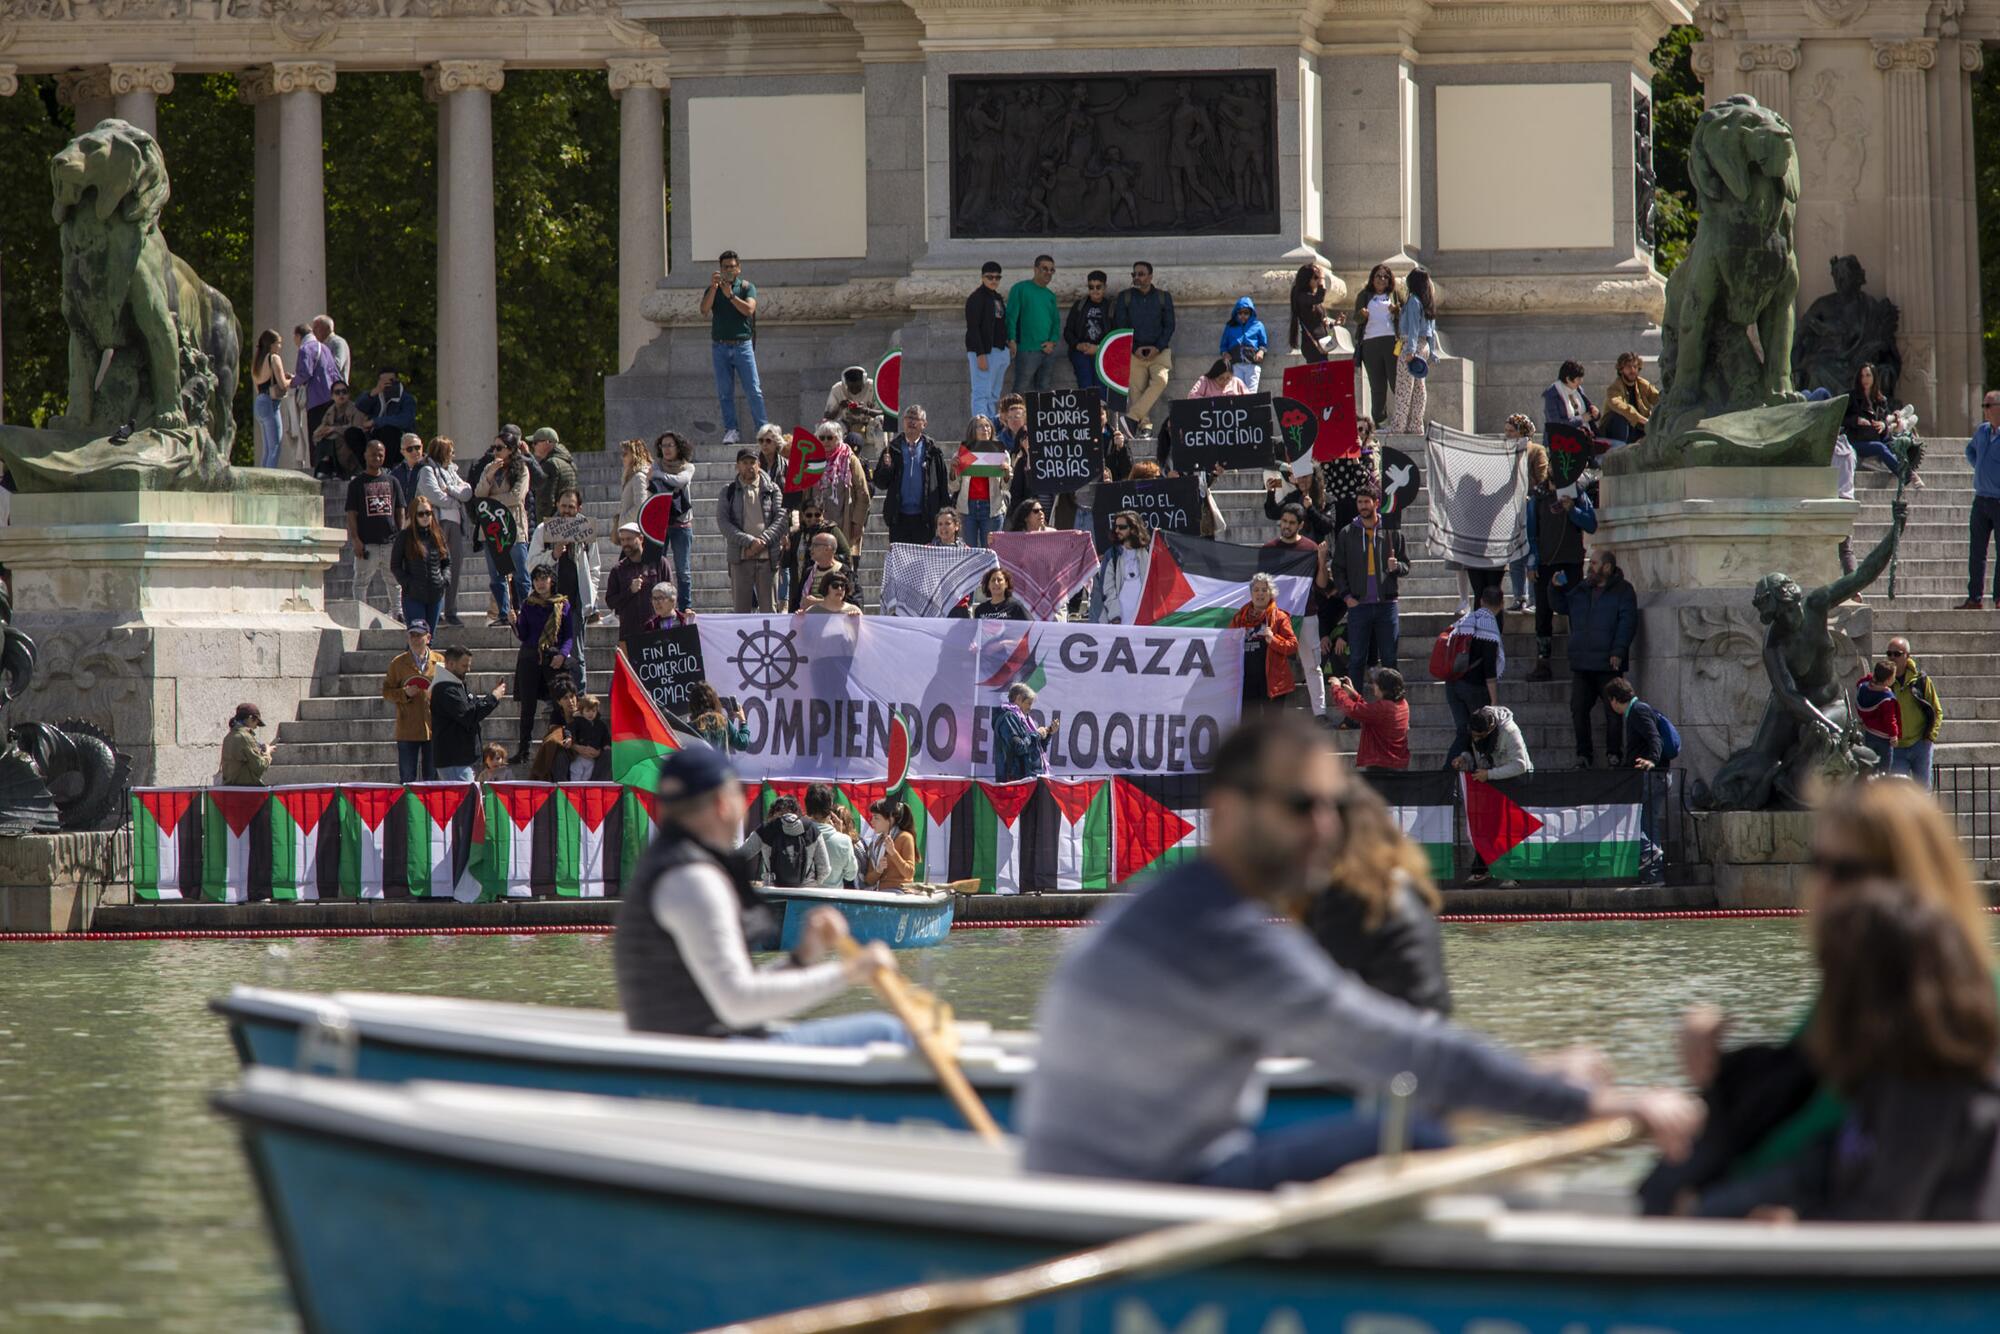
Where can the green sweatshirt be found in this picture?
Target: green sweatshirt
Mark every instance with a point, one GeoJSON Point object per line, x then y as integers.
{"type": "Point", "coordinates": [1033, 316]}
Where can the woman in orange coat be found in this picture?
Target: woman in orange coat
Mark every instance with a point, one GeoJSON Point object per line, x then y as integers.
{"type": "Point", "coordinates": [1268, 645]}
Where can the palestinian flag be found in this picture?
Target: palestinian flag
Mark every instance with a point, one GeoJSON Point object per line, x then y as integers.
{"type": "Point", "coordinates": [986, 462]}
{"type": "Point", "coordinates": [934, 802]}
{"type": "Point", "coordinates": [1424, 804]}
{"type": "Point", "coordinates": [298, 814]}
{"type": "Point", "coordinates": [1076, 825]}
{"type": "Point", "coordinates": [162, 821]}
{"type": "Point", "coordinates": [364, 824]}
{"type": "Point", "coordinates": [439, 837]}
{"type": "Point", "coordinates": [518, 852]}
{"type": "Point", "coordinates": [1195, 581]}
{"type": "Point", "coordinates": [227, 814]}
{"type": "Point", "coordinates": [999, 851]}
{"type": "Point", "coordinates": [636, 826]}
{"type": "Point", "coordinates": [587, 840]}
{"type": "Point", "coordinates": [640, 737]}
{"type": "Point", "coordinates": [1161, 820]}
{"type": "Point", "coordinates": [1582, 825]}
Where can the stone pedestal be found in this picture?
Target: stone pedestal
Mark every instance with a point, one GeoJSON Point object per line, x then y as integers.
{"type": "Point", "coordinates": [1694, 542]}
{"type": "Point", "coordinates": [155, 613]}
{"type": "Point", "coordinates": [54, 882]}
{"type": "Point", "coordinates": [1760, 858]}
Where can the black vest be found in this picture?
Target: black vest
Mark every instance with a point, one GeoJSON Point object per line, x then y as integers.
{"type": "Point", "coordinates": [655, 989]}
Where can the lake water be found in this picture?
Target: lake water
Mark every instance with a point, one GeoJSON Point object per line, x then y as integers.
{"type": "Point", "coordinates": [125, 1204]}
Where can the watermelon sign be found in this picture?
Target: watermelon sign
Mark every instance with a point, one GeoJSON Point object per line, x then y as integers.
{"type": "Point", "coordinates": [889, 380]}
{"type": "Point", "coordinates": [656, 516]}
{"type": "Point", "coordinates": [808, 461]}
{"type": "Point", "coordinates": [1114, 361]}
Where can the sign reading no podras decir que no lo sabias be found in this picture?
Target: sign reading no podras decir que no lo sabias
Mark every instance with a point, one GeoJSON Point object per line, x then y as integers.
{"type": "Point", "coordinates": [1063, 443]}
{"type": "Point", "coordinates": [818, 692]}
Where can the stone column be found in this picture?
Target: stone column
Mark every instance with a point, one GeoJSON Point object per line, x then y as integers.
{"type": "Point", "coordinates": [88, 94]}
{"type": "Point", "coordinates": [441, 350]}
{"type": "Point", "coordinates": [1907, 211]}
{"type": "Point", "coordinates": [299, 270]}
{"type": "Point", "coordinates": [254, 87]}
{"type": "Point", "coordinates": [1368, 123]}
{"type": "Point", "coordinates": [639, 86]}
{"type": "Point", "coordinates": [468, 323]}
{"type": "Point", "coordinates": [1955, 242]}
{"type": "Point", "coordinates": [10, 83]}
{"type": "Point", "coordinates": [1769, 66]}
{"type": "Point", "coordinates": [136, 91]}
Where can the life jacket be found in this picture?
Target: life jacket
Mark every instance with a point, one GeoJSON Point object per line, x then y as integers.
{"type": "Point", "coordinates": [655, 988]}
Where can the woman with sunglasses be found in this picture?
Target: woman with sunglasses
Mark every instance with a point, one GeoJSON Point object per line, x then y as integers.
{"type": "Point", "coordinates": [1028, 517]}
{"type": "Point", "coordinates": [1378, 919]}
{"type": "Point", "coordinates": [832, 600]}
{"type": "Point", "coordinates": [1772, 1105]}
{"type": "Point", "coordinates": [420, 563]}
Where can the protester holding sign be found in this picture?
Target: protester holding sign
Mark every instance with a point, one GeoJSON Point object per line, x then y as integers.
{"type": "Point", "coordinates": [1224, 428]}
{"type": "Point", "coordinates": [1067, 455]}
{"type": "Point", "coordinates": [981, 462]}
{"type": "Point", "coordinates": [1269, 645]}
{"type": "Point", "coordinates": [628, 589]}
{"type": "Point", "coordinates": [668, 663]}
{"type": "Point", "coordinates": [665, 615]}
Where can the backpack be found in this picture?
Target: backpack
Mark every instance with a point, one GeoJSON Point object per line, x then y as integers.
{"type": "Point", "coordinates": [1451, 653]}
{"type": "Point", "coordinates": [791, 854]}
{"type": "Point", "coordinates": [1670, 738]}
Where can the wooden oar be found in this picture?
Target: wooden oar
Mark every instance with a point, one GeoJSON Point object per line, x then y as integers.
{"type": "Point", "coordinates": [925, 1031]}
{"type": "Point", "coordinates": [1366, 1189]}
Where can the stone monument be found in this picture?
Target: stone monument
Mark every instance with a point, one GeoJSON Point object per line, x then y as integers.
{"type": "Point", "coordinates": [1845, 330]}
{"type": "Point", "coordinates": [162, 585]}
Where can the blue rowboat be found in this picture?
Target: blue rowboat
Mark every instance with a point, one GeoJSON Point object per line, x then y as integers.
{"type": "Point", "coordinates": [432, 1206]}
{"type": "Point", "coordinates": [912, 921]}
{"type": "Point", "coordinates": [394, 1038]}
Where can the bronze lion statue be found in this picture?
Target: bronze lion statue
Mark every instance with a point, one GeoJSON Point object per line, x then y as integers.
{"type": "Point", "coordinates": [1740, 274]}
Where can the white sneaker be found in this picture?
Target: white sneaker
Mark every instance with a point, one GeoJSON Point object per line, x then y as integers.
{"type": "Point", "coordinates": [729, 437]}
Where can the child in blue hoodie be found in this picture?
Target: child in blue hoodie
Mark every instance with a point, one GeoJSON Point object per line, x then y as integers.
{"type": "Point", "coordinates": [1244, 344]}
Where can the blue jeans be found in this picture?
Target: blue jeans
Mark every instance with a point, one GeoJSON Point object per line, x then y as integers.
{"type": "Point", "coordinates": [1885, 752]}
{"type": "Point", "coordinates": [1311, 1150]}
{"type": "Point", "coordinates": [414, 758]}
{"type": "Point", "coordinates": [1371, 626]}
{"type": "Point", "coordinates": [497, 565]}
{"type": "Point", "coordinates": [848, 1030]}
{"type": "Point", "coordinates": [454, 773]}
{"type": "Point", "coordinates": [1878, 451]}
{"type": "Point", "coordinates": [680, 542]}
{"type": "Point", "coordinates": [1084, 366]}
{"type": "Point", "coordinates": [737, 363]}
{"type": "Point", "coordinates": [1033, 369]}
{"type": "Point", "coordinates": [265, 409]}
{"type": "Point", "coordinates": [415, 609]}
{"type": "Point", "coordinates": [979, 522]}
{"type": "Point", "coordinates": [986, 384]}
{"type": "Point", "coordinates": [1915, 761]}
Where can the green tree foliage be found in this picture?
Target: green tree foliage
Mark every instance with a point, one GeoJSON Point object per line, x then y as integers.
{"type": "Point", "coordinates": [1678, 101]}
{"type": "Point", "coordinates": [33, 128]}
{"type": "Point", "coordinates": [1986, 151]}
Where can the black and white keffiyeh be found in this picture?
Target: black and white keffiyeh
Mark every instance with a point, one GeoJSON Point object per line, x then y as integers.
{"type": "Point", "coordinates": [929, 580]}
{"type": "Point", "coordinates": [1479, 496]}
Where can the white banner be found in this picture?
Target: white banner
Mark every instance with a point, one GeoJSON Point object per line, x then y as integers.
{"type": "Point", "coordinates": [817, 692]}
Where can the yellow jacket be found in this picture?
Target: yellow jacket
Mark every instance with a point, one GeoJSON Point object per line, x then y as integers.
{"type": "Point", "coordinates": [1636, 404]}
{"type": "Point", "coordinates": [413, 716]}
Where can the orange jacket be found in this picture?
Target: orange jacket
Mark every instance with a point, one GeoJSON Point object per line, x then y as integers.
{"type": "Point", "coordinates": [1279, 649]}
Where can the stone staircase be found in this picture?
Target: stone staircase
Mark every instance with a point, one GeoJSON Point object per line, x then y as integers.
{"type": "Point", "coordinates": [343, 733]}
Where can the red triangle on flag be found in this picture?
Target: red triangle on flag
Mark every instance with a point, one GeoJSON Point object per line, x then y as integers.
{"type": "Point", "coordinates": [239, 805]}
{"type": "Point", "coordinates": [305, 804]}
{"type": "Point", "coordinates": [634, 715]}
{"type": "Point", "coordinates": [593, 802]}
{"type": "Point", "coordinates": [167, 805]}
{"type": "Point", "coordinates": [371, 803]}
{"type": "Point", "coordinates": [1010, 799]}
{"type": "Point", "coordinates": [441, 800]}
{"type": "Point", "coordinates": [522, 801]}
{"type": "Point", "coordinates": [1017, 658]}
{"type": "Point", "coordinates": [1494, 820]}
{"type": "Point", "coordinates": [1074, 798]}
{"type": "Point", "coordinates": [1166, 587]}
{"type": "Point", "coordinates": [1146, 829]}
{"type": "Point", "coordinates": [940, 796]}
{"type": "Point", "coordinates": [648, 799]}
{"type": "Point", "coordinates": [863, 796]}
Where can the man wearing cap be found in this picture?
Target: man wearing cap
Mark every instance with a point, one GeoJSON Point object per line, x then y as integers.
{"type": "Point", "coordinates": [407, 685]}
{"type": "Point", "coordinates": [681, 952]}
{"type": "Point", "coordinates": [854, 403]}
{"type": "Point", "coordinates": [628, 589]}
{"type": "Point", "coordinates": [245, 759]}
{"type": "Point", "coordinates": [751, 515]}
{"type": "Point", "coordinates": [557, 473]}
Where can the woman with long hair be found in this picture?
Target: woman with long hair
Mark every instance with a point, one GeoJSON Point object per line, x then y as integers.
{"type": "Point", "coordinates": [1219, 381]}
{"type": "Point", "coordinates": [635, 466]}
{"type": "Point", "coordinates": [1871, 423]}
{"type": "Point", "coordinates": [1377, 307]}
{"type": "Point", "coordinates": [981, 493]}
{"type": "Point", "coordinates": [673, 475]}
{"type": "Point", "coordinates": [1416, 328]}
{"type": "Point", "coordinates": [420, 563]}
{"type": "Point", "coordinates": [1378, 919]}
{"type": "Point", "coordinates": [726, 730]}
{"type": "Point", "coordinates": [1310, 327]}
{"type": "Point", "coordinates": [892, 855]}
{"type": "Point", "coordinates": [1028, 517]}
{"type": "Point", "coordinates": [438, 481]}
{"type": "Point", "coordinates": [505, 484]}
{"type": "Point", "coordinates": [269, 385]}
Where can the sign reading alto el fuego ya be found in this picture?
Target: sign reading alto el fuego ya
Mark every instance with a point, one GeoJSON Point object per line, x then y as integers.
{"type": "Point", "coordinates": [818, 693]}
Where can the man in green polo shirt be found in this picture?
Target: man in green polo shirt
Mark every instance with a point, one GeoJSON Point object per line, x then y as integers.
{"type": "Point", "coordinates": [731, 306]}
{"type": "Point", "coordinates": [1034, 327]}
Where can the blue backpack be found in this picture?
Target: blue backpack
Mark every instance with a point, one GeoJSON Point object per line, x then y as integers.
{"type": "Point", "coordinates": [1670, 738]}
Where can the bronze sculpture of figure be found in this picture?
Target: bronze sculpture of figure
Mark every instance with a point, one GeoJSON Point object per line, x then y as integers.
{"type": "Point", "coordinates": [1808, 730]}
{"type": "Point", "coordinates": [1845, 330]}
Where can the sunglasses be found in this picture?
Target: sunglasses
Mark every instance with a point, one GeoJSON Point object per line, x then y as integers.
{"type": "Point", "coordinates": [1840, 870]}
{"type": "Point", "coordinates": [1897, 653]}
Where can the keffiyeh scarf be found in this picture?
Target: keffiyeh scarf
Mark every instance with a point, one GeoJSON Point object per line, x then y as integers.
{"type": "Point", "coordinates": [1048, 568]}
{"type": "Point", "coordinates": [929, 581]}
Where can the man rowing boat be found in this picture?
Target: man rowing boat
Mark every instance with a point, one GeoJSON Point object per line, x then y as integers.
{"type": "Point", "coordinates": [1151, 1030]}
{"type": "Point", "coordinates": [681, 950]}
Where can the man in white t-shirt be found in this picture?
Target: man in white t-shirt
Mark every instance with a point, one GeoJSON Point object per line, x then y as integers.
{"type": "Point", "coordinates": [1121, 575]}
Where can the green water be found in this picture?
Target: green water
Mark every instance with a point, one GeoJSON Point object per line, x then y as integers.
{"type": "Point", "coordinates": [125, 1205]}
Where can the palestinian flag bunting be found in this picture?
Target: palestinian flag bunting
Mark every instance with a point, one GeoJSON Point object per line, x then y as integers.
{"type": "Point", "coordinates": [640, 737]}
{"type": "Point", "coordinates": [298, 816]}
{"type": "Point", "coordinates": [439, 837]}
{"type": "Point", "coordinates": [1194, 581]}
{"type": "Point", "coordinates": [986, 463]}
{"type": "Point", "coordinates": [1579, 825]}
{"type": "Point", "coordinates": [364, 827]}
{"type": "Point", "coordinates": [1422, 804]}
{"type": "Point", "coordinates": [517, 852]}
{"type": "Point", "coordinates": [227, 814]}
{"type": "Point", "coordinates": [586, 853]}
{"type": "Point", "coordinates": [1160, 822]}
{"type": "Point", "coordinates": [160, 819]}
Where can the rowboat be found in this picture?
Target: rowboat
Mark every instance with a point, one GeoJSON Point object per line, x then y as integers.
{"type": "Point", "coordinates": [904, 921]}
{"type": "Point", "coordinates": [434, 1206]}
{"type": "Point", "coordinates": [379, 1036]}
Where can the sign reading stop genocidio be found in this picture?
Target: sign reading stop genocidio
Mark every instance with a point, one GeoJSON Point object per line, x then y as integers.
{"type": "Point", "coordinates": [1239, 431]}
{"type": "Point", "coordinates": [1063, 443]}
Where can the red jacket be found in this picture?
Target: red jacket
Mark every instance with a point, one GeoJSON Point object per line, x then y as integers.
{"type": "Point", "coordinates": [1385, 729]}
{"type": "Point", "coordinates": [1279, 649]}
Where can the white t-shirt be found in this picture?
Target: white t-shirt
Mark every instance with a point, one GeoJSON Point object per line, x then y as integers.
{"type": "Point", "coordinates": [1380, 324]}
{"type": "Point", "coordinates": [696, 905]}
